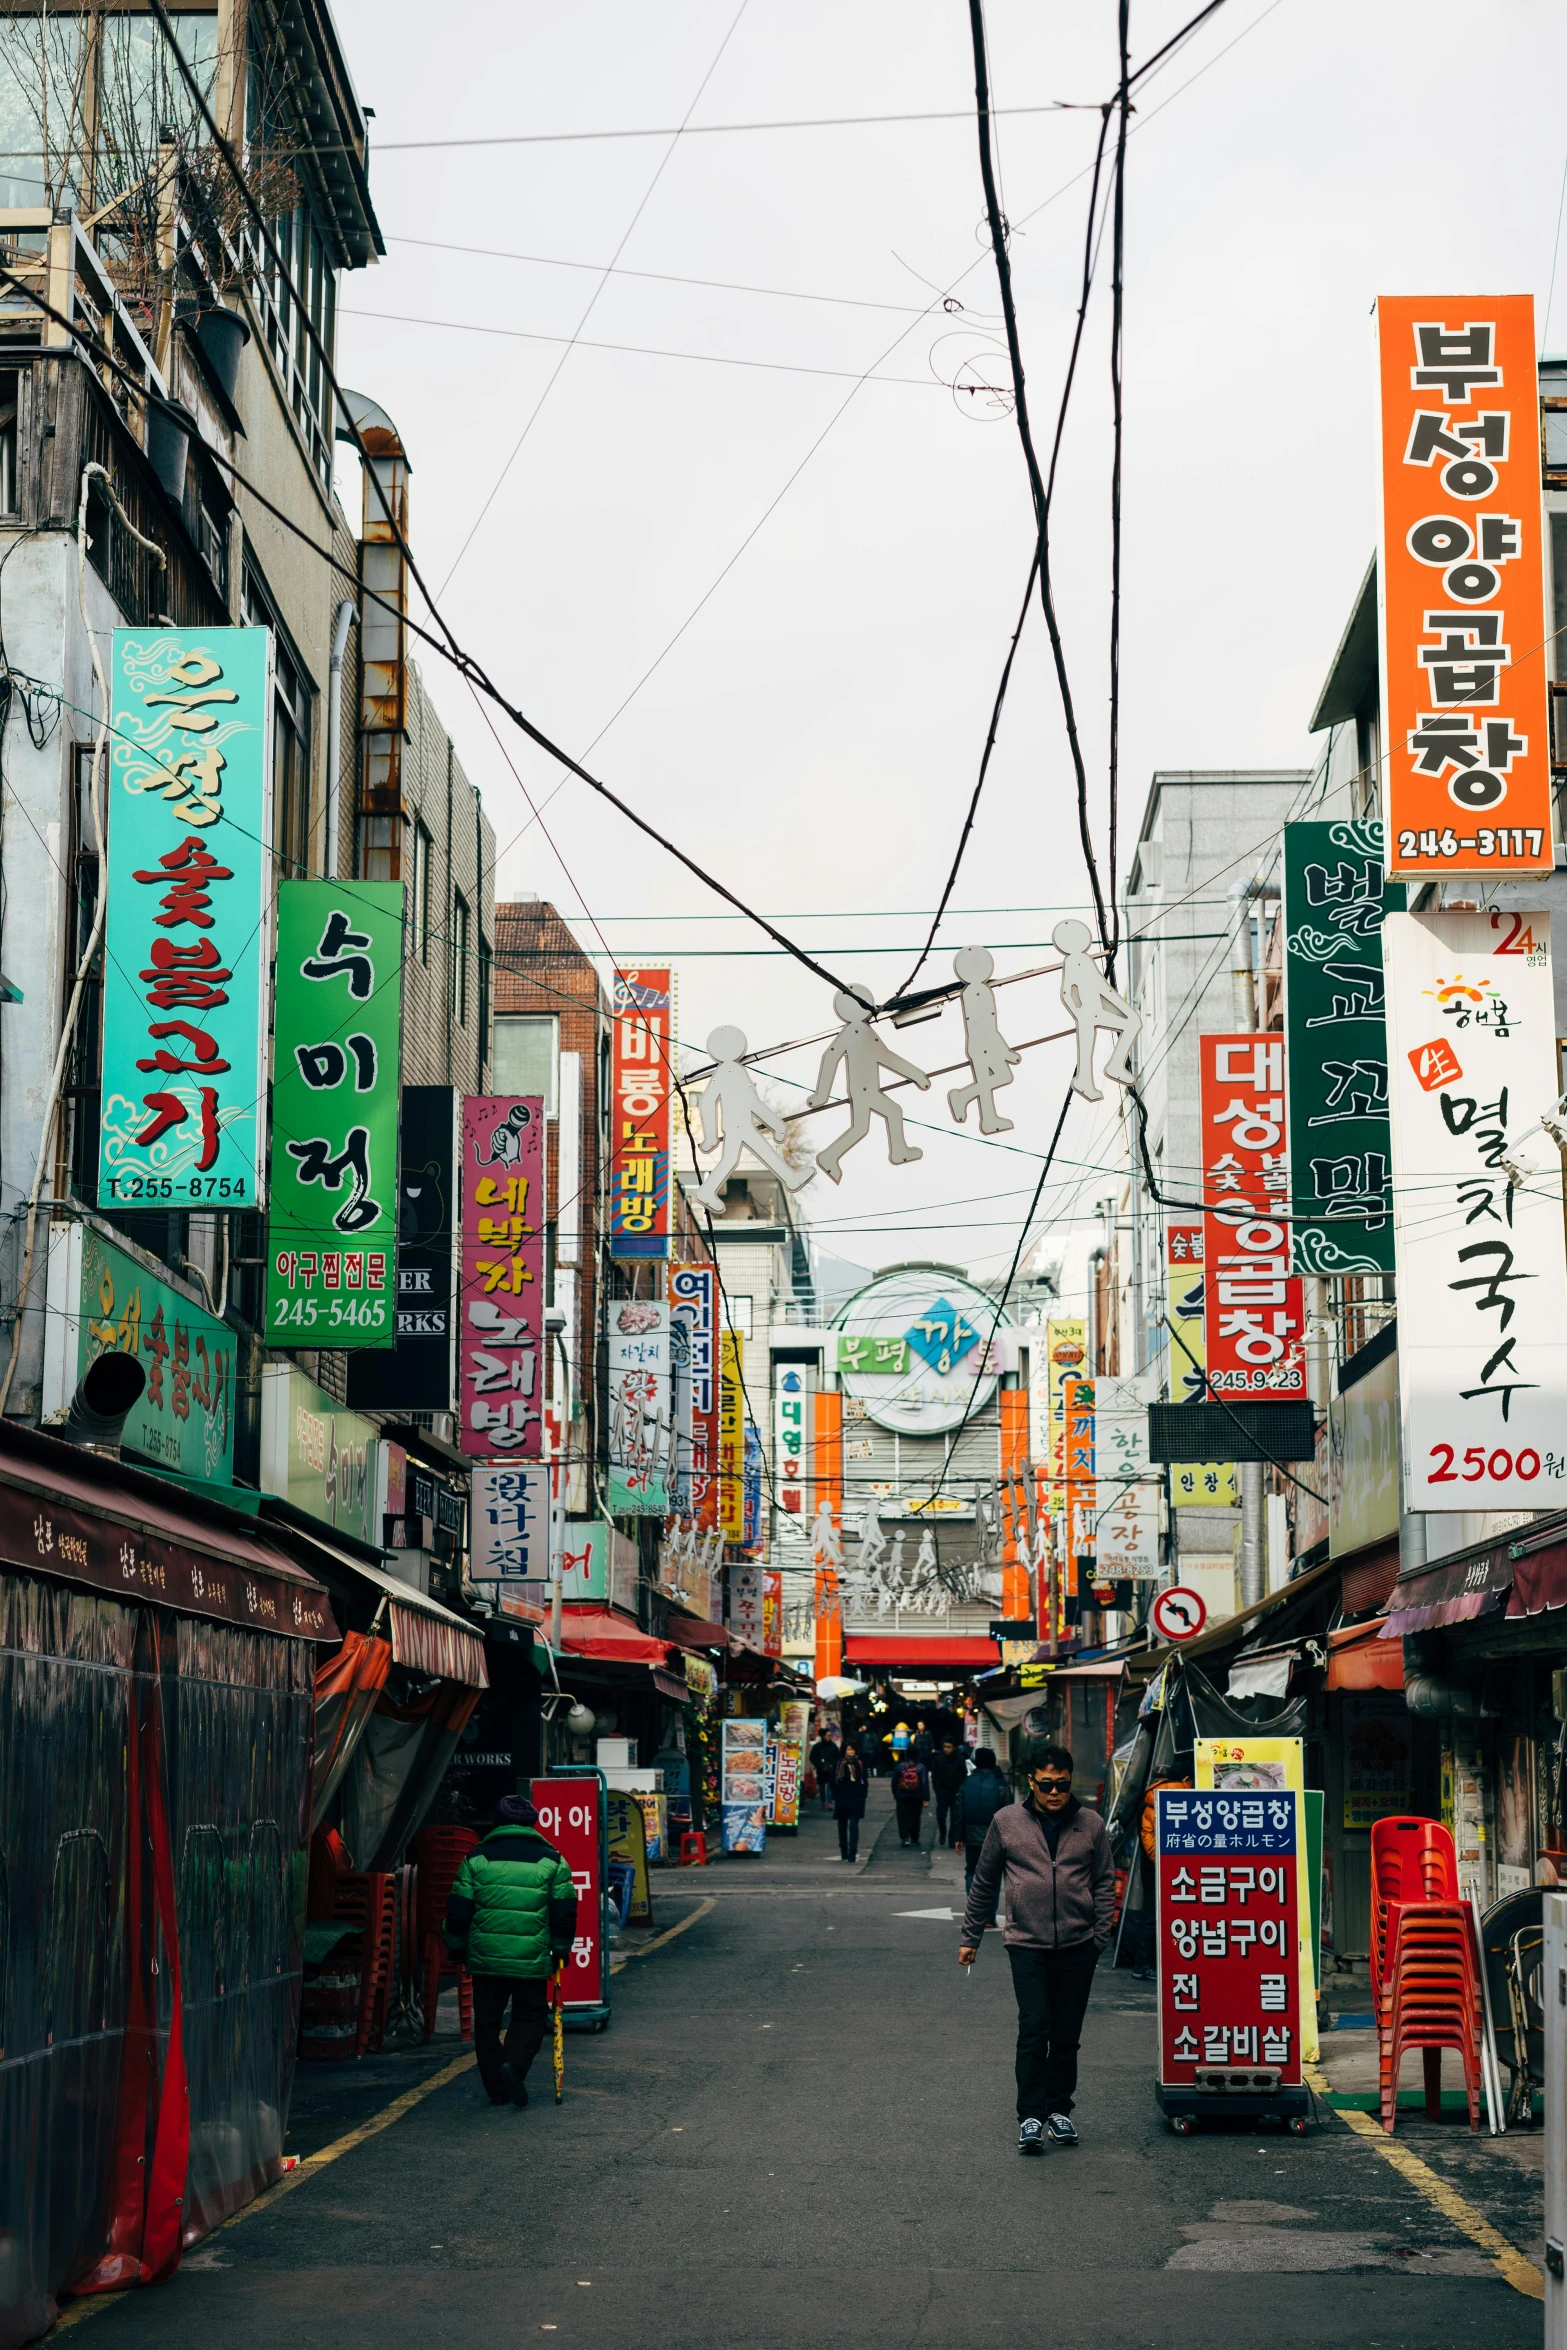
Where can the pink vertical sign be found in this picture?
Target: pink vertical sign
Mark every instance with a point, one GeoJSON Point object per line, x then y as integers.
{"type": "Point", "coordinates": [500, 1347]}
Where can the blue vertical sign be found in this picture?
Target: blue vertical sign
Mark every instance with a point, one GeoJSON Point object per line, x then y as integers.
{"type": "Point", "coordinates": [186, 944]}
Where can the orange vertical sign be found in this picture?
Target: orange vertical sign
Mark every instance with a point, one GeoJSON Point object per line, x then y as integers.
{"type": "Point", "coordinates": [827, 1530]}
{"type": "Point", "coordinates": [1466, 753]}
{"type": "Point", "coordinates": [1016, 1598]}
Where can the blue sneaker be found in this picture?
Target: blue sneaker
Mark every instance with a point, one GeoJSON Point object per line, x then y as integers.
{"type": "Point", "coordinates": [1063, 2130]}
{"type": "Point", "coordinates": [1031, 2137]}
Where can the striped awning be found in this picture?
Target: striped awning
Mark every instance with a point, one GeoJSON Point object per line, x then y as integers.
{"type": "Point", "coordinates": [437, 1644]}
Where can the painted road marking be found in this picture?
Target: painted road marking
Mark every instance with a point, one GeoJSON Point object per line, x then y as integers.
{"type": "Point", "coordinates": [1509, 2262]}
{"type": "Point", "coordinates": [946, 1915]}
{"type": "Point", "coordinates": [668, 1935]}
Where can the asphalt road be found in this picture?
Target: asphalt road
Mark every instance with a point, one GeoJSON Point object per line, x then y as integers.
{"type": "Point", "coordinates": [797, 2134]}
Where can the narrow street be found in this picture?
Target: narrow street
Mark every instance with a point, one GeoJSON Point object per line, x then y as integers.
{"type": "Point", "coordinates": [798, 2131]}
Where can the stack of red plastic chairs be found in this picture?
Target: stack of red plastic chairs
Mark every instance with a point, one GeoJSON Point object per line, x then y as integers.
{"type": "Point", "coordinates": [439, 1854]}
{"type": "Point", "coordinates": [369, 1901]}
{"type": "Point", "coordinates": [1424, 1969]}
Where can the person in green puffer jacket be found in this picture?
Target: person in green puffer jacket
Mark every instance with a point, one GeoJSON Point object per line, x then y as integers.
{"type": "Point", "coordinates": [510, 1919]}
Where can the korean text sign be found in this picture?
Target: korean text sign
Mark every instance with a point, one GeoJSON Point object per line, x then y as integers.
{"type": "Point", "coordinates": [1254, 1309]}
{"type": "Point", "coordinates": [639, 1406]}
{"type": "Point", "coordinates": [500, 1288]}
{"type": "Point", "coordinates": [641, 1086]}
{"type": "Point", "coordinates": [511, 1524]}
{"type": "Point", "coordinates": [1077, 1457]}
{"type": "Point", "coordinates": [693, 1295]}
{"type": "Point", "coordinates": [731, 1435]}
{"type": "Point", "coordinates": [184, 1417]}
{"type": "Point", "coordinates": [187, 945]}
{"type": "Point", "coordinates": [1335, 1025]}
{"type": "Point", "coordinates": [1193, 1484]}
{"type": "Point", "coordinates": [790, 1403]}
{"type": "Point", "coordinates": [1477, 1197]}
{"type": "Point", "coordinates": [1227, 1912]}
{"type": "Point", "coordinates": [570, 1818]}
{"type": "Point", "coordinates": [332, 1244]}
{"type": "Point", "coordinates": [1467, 759]}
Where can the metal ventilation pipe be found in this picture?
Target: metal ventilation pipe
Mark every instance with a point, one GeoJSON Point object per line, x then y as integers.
{"type": "Point", "coordinates": [106, 1394]}
{"type": "Point", "coordinates": [342, 619]}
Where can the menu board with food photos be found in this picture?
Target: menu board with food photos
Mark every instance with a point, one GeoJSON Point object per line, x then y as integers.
{"type": "Point", "coordinates": [743, 1789]}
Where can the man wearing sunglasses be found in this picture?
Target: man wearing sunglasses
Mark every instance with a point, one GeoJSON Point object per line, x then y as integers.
{"type": "Point", "coordinates": [1060, 1883]}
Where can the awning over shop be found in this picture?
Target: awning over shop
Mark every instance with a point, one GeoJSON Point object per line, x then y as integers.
{"type": "Point", "coordinates": [694, 1632]}
{"type": "Point", "coordinates": [610, 1639]}
{"type": "Point", "coordinates": [957, 1653]}
{"type": "Point", "coordinates": [1540, 1573]}
{"type": "Point", "coordinates": [425, 1636]}
{"type": "Point", "coordinates": [1359, 1658]}
{"type": "Point", "coordinates": [75, 1515]}
{"type": "Point", "coordinates": [1453, 1591]}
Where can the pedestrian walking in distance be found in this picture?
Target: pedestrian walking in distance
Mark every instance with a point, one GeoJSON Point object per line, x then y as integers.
{"type": "Point", "coordinates": [948, 1770]}
{"type": "Point", "coordinates": [979, 1799]}
{"type": "Point", "coordinates": [910, 1794]}
{"type": "Point", "coordinates": [824, 1762]}
{"type": "Point", "coordinates": [1054, 1856]}
{"type": "Point", "coordinates": [850, 1781]}
{"type": "Point", "coordinates": [511, 1919]}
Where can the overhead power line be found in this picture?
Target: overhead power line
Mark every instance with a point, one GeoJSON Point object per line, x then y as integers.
{"type": "Point", "coordinates": [691, 130]}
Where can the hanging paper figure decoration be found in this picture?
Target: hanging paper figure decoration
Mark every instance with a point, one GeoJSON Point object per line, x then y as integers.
{"type": "Point", "coordinates": [1093, 1004]}
{"type": "Point", "coordinates": [873, 1542]}
{"type": "Point", "coordinates": [826, 1542]}
{"type": "Point", "coordinates": [990, 1057]}
{"type": "Point", "coordinates": [863, 1056]}
{"type": "Point", "coordinates": [731, 1111]}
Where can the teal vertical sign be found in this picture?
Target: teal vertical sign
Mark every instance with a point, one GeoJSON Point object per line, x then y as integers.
{"type": "Point", "coordinates": [186, 949]}
{"type": "Point", "coordinates": [1335, 1025]}
{"type": "Point", "coordinates": [337, 1042]}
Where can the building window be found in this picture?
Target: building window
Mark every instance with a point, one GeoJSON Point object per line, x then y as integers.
{"type": "Point", "coordinates": [290, 742]}
{"type": "Point", "coordinates": [484, 1001]}
{"type": "Point", "coordinates": [9, 500]}
{"type": "Point", "coordinates": [527, 1056]}
{"type": "Point", "coordinates": [460, 960]}
{"type": "Point", "coordinates": [421, 892]}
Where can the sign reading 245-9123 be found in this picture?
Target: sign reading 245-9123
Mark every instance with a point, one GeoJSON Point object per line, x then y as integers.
{"type": "Point", "coordinates": [184, 996]}
{"type": "Point", "coordinates": [332, 1245]}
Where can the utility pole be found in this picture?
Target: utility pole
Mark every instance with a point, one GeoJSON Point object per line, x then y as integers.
{"type": "Point", "coordinates": [1243, 1011]}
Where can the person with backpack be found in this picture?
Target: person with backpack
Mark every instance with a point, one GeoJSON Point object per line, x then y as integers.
{"type": "Point", "coordinates": [511, 1919]}
{"type": "Point", "coordinates": [978, 1801]}
{"type": "Point", "coordinates": [850, 1780]}
{"type": "Point", "coordinates": [825, 1758]}
{"type": "Point", "coordinates": [910, 1794]}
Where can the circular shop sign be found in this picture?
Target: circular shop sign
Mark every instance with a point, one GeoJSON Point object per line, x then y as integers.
{"type": "Point", "coordinates": [915, 1348]}
{"type": "Point", "coordinates": [1179, 1613]}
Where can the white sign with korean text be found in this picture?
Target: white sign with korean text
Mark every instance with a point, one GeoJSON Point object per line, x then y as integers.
{"type": "Point", "coordinates": [511, 1523]}
{"type": "Point", "coordinates": [1477, 1204]}
{"type": "Point", "coordinates": [1127, 1543]}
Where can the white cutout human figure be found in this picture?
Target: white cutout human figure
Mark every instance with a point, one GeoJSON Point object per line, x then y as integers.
{"type": "Point", "coordinates": [1093, 1004]}
{"type": "Point", "coordinates": [826, 1542]}
{"type": "Point", "coordinates": [925, 1558]}
{"type": "Point", "coordinates": [895, 1563]}
{"type": "Point", "coordinates": [863, 1056]}
{"type": "Point", "coordinates": [730, 1110]}
{"type": "Point", "coordinates": [991, 1059]}
{"type": "Point", "coordinates": [873, 1542]}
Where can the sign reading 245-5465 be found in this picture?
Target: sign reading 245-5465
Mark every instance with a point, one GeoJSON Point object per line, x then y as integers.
{"type": "Point", "coordinates": [184, 999]}
{"type": "Point", "coordinates": [331, 1249]}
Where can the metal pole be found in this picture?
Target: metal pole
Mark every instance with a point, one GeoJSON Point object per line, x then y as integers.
{"type": "Point", "coordinates": [1243, 1010]}
{"type": "Point", "coordinates": [1554, 2001]}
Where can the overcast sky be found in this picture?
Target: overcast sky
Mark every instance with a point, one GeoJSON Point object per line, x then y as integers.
{"type": "Point", "coordinates": [812, 737]}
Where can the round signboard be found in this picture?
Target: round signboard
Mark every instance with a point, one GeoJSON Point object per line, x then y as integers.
{"type": "Point", "coordinates": [915, 1347]}
{"type": "Point", "coordinates": [1179, 1613]}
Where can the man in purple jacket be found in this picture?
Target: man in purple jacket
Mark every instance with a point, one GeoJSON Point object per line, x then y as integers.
{"type": "Point", "coordinates": [1060, 1880]}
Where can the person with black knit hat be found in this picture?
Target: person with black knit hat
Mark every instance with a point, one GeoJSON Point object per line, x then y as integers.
{"type": "Point", "coordinates": [511, 1919]}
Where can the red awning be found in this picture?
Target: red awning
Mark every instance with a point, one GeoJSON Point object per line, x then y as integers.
{"type": "Point", "coordinates": [694, 1632]}
{"type": "Point", "coordinates": [614, 1640]}
{"type": "Point", "coordinates": [1359, 1658]}
{"type": "Point", "coordinates": [1455, 1590]}
{"type": "Point", "coordinates": [956, 1654]}
{"type": "Point", "coordinates": [1539, 1578]}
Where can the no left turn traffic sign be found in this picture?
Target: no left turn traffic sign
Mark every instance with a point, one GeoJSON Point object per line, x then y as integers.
{"type": "Point", "coordinates": [1179, 1613]}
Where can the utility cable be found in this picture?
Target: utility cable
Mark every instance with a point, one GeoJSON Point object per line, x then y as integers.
{"type": "Point", "coordinates": [1117, 322]}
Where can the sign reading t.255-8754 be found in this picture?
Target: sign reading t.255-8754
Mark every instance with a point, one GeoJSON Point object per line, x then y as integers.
{"type": "Point", "coordinates": [186, 945]}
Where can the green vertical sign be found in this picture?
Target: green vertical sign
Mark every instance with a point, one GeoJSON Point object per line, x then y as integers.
{"type": "Point", "coordinates": [1336, 1028]}
{"type": "Point", "coordinates": [332, 1244]}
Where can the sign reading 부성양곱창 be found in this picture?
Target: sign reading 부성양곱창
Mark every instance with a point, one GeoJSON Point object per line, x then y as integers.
{"type": "Point", "coordinates": [336, 1066]}
{"type": "Point", "coordinates": [1227, 1910]}
{"type": "Point", "coordinates": [1477, 1199]}
{"type": "Point", "coordinates": [1253, 1307]}
{"type": "Point", "coordinates": [500, 1285]}
{"type": "Point", "coordinates": [187, 936]}
{"type": "Point", "coordinates": [1466, 753]}
{"type": "Point", "coordinates": [1335, 1027]}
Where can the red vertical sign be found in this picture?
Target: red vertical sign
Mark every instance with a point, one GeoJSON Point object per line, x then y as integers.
{"type": "Point", "coordinates": [641, 1084]}
{"type": "Point", "coordinates": [568, 1812]}
{"type": "Point", "coordinates": [1253, 1307]}
{"type": "Point", "coordinates": [1228, 1933]}
{"type": "Point", "coordinates": [500, 1373]}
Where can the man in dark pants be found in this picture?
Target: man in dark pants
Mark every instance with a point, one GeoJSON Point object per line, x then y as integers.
{"type": "Point", "coordinates": [511, 1918]}
{"type": "Point", "coordinates": [947, 1774]}
{"type": "Point", "coordinates": [1060, 1878]}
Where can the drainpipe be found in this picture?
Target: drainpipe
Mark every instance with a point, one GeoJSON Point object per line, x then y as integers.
{"type": "Point", "coordinates": [344, 616]}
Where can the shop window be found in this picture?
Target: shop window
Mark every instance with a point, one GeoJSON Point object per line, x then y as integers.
{"type": "Point", "coordinates": [527, 1055]}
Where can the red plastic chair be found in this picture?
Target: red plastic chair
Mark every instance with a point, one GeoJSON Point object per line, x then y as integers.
{"type": "Point", "coordinates": [1430, 2000]}
{"type": "Point", "coordinates": [439, 1853]}
{"type": "Point", "coordinates": [1411, 1860]}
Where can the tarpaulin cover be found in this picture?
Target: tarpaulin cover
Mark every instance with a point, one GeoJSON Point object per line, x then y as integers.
{"type": "Point", "coordinates": [397, 1769]}
{"type": "Point", "coordinates": [347, 1687]}
{"type": "Point", "coordinates": [591, 1631]}
{"type": "Point", "coordinates": [1358, 1658]}
{"type": "Point", "coordinates": [153, 1776]}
